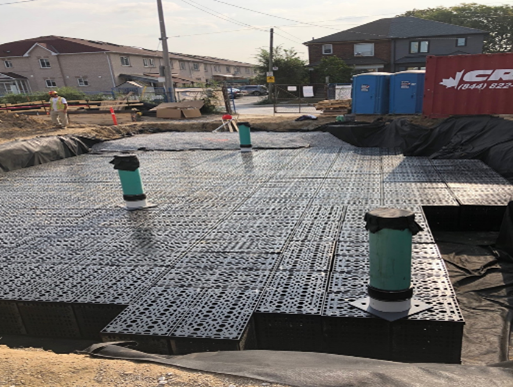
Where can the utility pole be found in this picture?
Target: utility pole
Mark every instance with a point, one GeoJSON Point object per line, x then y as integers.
{"type": "Point", "coordinates": [270, 85]}
{"type": "Point", "coordinates": [168, 84]}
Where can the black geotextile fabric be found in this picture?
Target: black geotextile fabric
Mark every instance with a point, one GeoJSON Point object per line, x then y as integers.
{"type": "Point", "coordinates": [307, 369]}
{"type": "Point", "coordinates": [487, 138]}
{"type": "Point", "coordinates": [40, 150]}
{"type": "Point", "coordinates": [391, 218]}
{"type": "Point", "coordinates": [505, 239]}
{"type": "Point", "coordinates": [482, 277]}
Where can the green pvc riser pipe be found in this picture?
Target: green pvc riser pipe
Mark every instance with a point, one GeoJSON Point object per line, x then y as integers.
{"type": "Point", "coordinates": [390, 259]}
{"type": "Point", "coordinates": [131, 182]}
{"type": "Point", "coordinates": [244, 135]}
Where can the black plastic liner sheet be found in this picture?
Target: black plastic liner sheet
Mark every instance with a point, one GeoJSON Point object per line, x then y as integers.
{"type": "Point", "coordinates": [486, 138]}
{"type": "Point", "coordinates": [22, 154]}
{"type": "Point", "coordinates": [306, 369]}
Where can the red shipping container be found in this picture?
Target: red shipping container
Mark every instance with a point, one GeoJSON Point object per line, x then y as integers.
{"type": "Point", "coordinates": [468, 84]}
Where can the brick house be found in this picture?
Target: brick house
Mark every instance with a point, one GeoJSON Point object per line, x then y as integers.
{"type": "Point", "coordinates": [49, 62]}
{"type": "Point", "coordinates": [395, 44]}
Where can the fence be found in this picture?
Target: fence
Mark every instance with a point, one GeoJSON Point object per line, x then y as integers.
{"type": "Point", "coordinates": [293, 98]}
{"type": "Point", "coordinates": [339, 91]}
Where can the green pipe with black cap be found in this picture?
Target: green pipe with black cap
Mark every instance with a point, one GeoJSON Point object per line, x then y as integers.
{"type": "Point", "coordinates": [245, 136]}
{"type": "Point", "coordinates": [131, 182]}
{"type": "Point", "coordinates": [390, 252]}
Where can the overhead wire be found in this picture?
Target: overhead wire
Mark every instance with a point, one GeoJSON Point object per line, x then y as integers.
{"type": "Point", "coordinates": [268, 14]}
{"type": "Point", "coordinates": [210, 33]}
{"type": "Point", "coordinates": [227, 18]}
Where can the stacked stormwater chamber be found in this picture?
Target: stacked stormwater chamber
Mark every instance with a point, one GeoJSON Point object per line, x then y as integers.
{"type": "Point", "coordinates": [180, 278]}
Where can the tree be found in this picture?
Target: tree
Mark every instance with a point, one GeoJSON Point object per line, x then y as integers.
{"type": "Point", "coordinates": [335, 68]}
{"type": "Point", "coordinates": [291, 68]}
{"type": "Point", "coordinates": [497, 20]}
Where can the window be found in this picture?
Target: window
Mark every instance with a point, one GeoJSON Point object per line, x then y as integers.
{"type": "Point", "coordinates": [461, 42]}
{"type": "Point", "coordinates": [50, 83]}
{"type": "Point", "coordinates": [364, 49]}
{"type": "Point", "coordinates": [227, 69]}
{"type": "Point", "coordinates": [205, 67]}
{"type": "Point", "coordinates": [182, 65]}
{"type": "Point", "coordinates": [83, 81]}
{"type": "Point", "coordinates": [125, 61]}
{"type": "Point", "coordinates": [44, 63]}
{"type": "Point", "coordinates": [248, 70]}
{"type": "Point", "coordinates": [195, 66]}
{"type": "Point", "coordinates": [420, 46]}
{"type": "Point", "coordinates": [8, 64]}
{"type": "Point", "coordinates": [148, 62]}
{"type": "Point", "coordinates": [327, 49]}
{"type": "Point", "coordinates": [217, 68]}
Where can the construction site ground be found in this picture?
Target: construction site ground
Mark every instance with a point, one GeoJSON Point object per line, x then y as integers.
{"type": "Point", "coordinates": [15, 126]}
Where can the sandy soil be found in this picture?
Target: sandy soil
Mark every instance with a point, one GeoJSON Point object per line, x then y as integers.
{"type": "Point", "coordinates": [36, 367]}
{"type": "Point", "coordinates": [20, 127]}
{"type": "Point", "coordinates": [15, 126]}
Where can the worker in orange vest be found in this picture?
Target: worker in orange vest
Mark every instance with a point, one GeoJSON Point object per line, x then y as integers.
{"type": "Point", "coordinates": [58, 110]}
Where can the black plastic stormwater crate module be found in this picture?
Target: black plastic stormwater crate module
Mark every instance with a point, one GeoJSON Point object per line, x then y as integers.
{"type": "Point", "coordinates": [288, 316]}
{"type": "Point", "coordinates": [49, 319]}
{"type": "Point", "coordinates": [220, 320]}
{"type": "Point", "coordinates": [10, 319]}
{"type": "Point", "coordinates": [434, 335]}
{"type": "Point", "coordinates": [151, 319]}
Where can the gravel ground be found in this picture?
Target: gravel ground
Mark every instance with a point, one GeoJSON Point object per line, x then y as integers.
{"type": "Point", "coordinates": [36, 367]}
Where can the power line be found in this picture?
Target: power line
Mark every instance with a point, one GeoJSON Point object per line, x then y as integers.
{"type": "Point", "coordinates": [288, 33]}
{"type": "Point", "coordinates": [210, 33]}
{"type": "Point", "coordinates": [227, 18]}
{"type": "Point", "coordinates": [268, 14]}
{"type": "Point", "coordinates": [17, 2]}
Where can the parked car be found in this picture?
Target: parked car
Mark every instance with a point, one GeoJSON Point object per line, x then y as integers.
{"type": "Point", "coordinates": [234, 93]}
{"type": "Point", "coordinates": [255, 89]}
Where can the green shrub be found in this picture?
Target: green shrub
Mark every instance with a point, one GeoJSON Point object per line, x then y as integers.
{"type": "Point", "coordinates": [70, 93]}
{"type": "Point", "coordinates": [97, 97]}
{"type": "Point", "coordinates": [209, 106]}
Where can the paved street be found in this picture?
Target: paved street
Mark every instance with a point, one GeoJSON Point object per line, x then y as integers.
{"type": "Point", "coordinates": [246, 105]}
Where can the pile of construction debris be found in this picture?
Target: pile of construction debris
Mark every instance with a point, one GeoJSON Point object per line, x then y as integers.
{"type": "Point", "coordinates": [334, 107]}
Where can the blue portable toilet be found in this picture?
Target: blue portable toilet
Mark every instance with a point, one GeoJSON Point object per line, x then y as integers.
{"type": "Point", "coordinates": [371, 93]}
{"type": "Point", "coordinates": [407, 92]}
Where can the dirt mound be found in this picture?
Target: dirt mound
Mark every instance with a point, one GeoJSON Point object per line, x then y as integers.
{"type": "Point", "coordinates": [9, 121]}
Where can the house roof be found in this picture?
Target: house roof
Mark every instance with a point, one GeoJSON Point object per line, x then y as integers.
{"type": "Point", "coordinates": [11, 76]}
{"type": "Point", "coordinates": [395, 28]}
{"type": "Point", "coordinates": [64, 45]}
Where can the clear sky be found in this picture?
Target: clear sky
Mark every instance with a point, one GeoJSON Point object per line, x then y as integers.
{"type": "Point", "coordinates": [202, 27]}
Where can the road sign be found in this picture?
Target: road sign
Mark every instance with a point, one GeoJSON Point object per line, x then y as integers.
{"type": "Point", "coordinates": [275, 68]}
{"type": "Point", "coordinates": [270, 74]}
{"type": "Point", "coordinates": [270, 79]}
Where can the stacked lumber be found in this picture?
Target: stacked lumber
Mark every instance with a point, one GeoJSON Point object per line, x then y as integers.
{"type": "Point", "coordinates": [334, 107]}
{"type": "Point", "coordinates": [41, 107]}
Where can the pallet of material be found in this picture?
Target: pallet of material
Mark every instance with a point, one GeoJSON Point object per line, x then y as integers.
{"type": "Point", "coordinates": [334, 107]}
